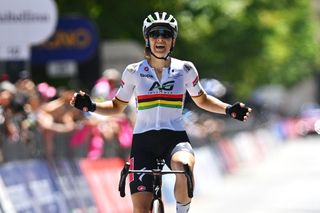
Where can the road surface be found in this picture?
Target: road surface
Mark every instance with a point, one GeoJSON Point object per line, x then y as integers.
{"type": "Point", "coordinates": [286, 181]}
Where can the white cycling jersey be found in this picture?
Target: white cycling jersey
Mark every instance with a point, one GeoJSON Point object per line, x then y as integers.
{"type": "Point", "coordinates": [159, 103]}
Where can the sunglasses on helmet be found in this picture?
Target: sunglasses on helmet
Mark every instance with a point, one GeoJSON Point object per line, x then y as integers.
{"type": "Point", "coordinates": [161, 33]}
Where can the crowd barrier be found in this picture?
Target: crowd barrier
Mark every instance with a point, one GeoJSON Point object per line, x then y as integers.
{"type": "Point", "coordinates": [225, 157]}
{"type": "Point", "coordinates": [103, 177]}
{"type": "Point", "coordinates": [35, 186]}
{"type": "Point", "coordinates": [91, 185]}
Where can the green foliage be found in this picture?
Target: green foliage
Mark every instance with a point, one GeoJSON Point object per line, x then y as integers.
{"type": "Point", "coordinates": [249, 43]}
{"type": "Point", "coordinates": [245, 42]}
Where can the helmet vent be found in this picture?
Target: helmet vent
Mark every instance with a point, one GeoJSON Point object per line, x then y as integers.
{"type": "Point", "coordinates": [160, 18]}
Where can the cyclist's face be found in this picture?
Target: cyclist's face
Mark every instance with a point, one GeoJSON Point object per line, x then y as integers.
{"type": "Point", "coordinates": [160, 42]}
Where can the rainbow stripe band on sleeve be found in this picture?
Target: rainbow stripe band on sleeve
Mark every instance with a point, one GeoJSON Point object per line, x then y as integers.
{"type": "Point", "coordinates": [163, 100]}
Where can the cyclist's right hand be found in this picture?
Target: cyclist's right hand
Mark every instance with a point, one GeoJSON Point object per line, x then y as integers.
{"type": "Point", "coordinates": [82, 101]}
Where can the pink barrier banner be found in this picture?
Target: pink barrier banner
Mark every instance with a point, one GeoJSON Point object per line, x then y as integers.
{"type": "Point", "coordinates": [103, 177]}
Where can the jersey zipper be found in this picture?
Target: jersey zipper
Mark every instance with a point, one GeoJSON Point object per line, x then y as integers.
{"type": "Point", "coordinates": [163, 75]}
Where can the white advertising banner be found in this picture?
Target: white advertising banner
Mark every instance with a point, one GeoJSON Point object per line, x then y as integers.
{"type": "Point", "coordinates": [24, 23]}
{"type": "Point", "coordinates": [14, 51]}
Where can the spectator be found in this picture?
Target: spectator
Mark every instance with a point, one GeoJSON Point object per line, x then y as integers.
{"type": "Point", "coordinates": [107, 85]}
{"type": "Point", "coordinates": [7, 129]}
{"type": "Point", "coordinates": [106, 136]}
{"type": "Point", "coordinates": [56, 116]}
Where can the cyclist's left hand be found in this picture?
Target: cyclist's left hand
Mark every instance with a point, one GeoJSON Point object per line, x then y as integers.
{"type": "Point", "coordinates": [239, 111]}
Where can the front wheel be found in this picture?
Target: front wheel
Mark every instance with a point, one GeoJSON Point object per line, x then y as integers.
{"type": "Point", "coordinates": [157, 206]}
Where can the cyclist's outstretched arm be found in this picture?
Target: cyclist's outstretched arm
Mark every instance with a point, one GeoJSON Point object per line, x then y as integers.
{"type": "Point", "coordinates": [210, 103]}
{"type": "Point", "coordinates": [237, 111]}
{"type": "Point", "coordinates": [82, 101]}
{"type": "Point", "coordinates": [113, 106]}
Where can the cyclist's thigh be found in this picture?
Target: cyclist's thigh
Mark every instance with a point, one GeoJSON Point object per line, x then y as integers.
{"type": "Point", "coordinates": [182, 146]}
{"type": "Point", "coordinates": [141, 158]}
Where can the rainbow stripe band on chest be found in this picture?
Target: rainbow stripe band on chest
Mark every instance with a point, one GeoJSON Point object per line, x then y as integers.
{"type": "Point", "coordinates": [163, 100]}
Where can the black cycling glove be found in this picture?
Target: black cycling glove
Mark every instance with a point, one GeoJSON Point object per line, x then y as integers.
{"type": "Point", "coordinates": [82, 101]}
{"type": "Point", "coordinates": [236, 111]}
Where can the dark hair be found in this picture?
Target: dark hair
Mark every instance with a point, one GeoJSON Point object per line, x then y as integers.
{"type": "Point", "coordinates": [18, 102]}
{"type": "Point", "coordinates": [147, 52]}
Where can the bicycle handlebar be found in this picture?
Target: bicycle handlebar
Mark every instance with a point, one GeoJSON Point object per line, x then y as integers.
{"type": "Point", "coordinates": [189, 176]}
{"type": "Point", "coordinates": [125, 171]}
{"type": "Point", "coordinates": [122, 182]}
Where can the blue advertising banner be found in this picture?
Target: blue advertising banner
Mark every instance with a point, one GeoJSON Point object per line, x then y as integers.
{"type": "Point", "coordinates": [34, 186]}
{"type": "Point", "coordinates": [75, 38]}
{"type": "Point", "coordinates": [73, 185]}
{"type": "Point", "coordinates": [29, 187]}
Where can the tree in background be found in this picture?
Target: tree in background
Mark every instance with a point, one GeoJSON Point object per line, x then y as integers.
{"type": "Point", "coordinates": [247, 43]}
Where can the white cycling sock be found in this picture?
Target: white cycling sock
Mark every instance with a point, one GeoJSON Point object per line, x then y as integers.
{"type": "Point", "coordinates": [182, 208]}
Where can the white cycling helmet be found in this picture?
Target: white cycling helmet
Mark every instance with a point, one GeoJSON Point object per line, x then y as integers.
{"type": "Point", "coordinates": [160, 19]}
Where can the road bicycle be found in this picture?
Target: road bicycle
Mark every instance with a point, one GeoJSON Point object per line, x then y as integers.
{"type": "Point", "coordinates": [157, 173]}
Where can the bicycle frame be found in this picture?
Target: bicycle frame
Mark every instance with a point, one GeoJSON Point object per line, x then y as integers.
{"type": "Point", "coordinates": [157, 179]}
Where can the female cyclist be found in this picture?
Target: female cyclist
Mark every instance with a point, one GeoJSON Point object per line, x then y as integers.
{"type": "Point", "coordinates": [159, 83]}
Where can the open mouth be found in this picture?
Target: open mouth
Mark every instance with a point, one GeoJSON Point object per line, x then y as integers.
{"type": "Point", "coordinates": [160, 47]}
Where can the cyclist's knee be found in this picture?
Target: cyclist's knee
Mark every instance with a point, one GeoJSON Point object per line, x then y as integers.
{"type": "Point", "coordinates": [141, 207]}
{"type": "Point", "coordinates": [141, 202]}
{"type": "Point", "coordinates": [140, 210]}
{"type": "Point", "coordinates": [180, 158]}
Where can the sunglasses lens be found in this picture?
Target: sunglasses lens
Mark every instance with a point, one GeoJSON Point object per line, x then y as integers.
{"type": "Point", "coordinates": [162, 33]}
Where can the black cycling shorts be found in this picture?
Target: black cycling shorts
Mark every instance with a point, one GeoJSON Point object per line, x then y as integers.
{"type": "Point", "coordinates": [147, 147]}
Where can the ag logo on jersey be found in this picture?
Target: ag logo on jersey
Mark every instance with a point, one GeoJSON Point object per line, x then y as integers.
{"type": "Point", "coordinates": [167, 86]}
